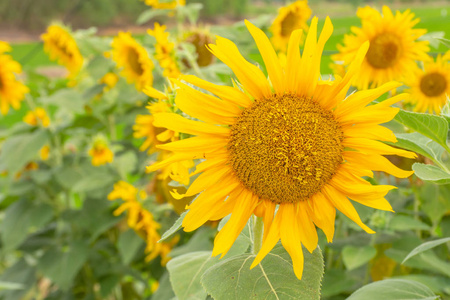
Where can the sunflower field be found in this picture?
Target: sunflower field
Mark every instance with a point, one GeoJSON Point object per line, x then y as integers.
{"type": "Point", "coordinates": [226, 150]}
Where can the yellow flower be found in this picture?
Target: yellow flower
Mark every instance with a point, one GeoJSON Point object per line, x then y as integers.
{"type": "Point", "coordinates": [141, 220]}
{"type": "Point", "coordinates": [12, 91]}
{"type": "Point", "coordinates": [100, 153]}
{"type": "Point", "coordinates": [393, 49]}
{"type": "Point", "coordinates": [44, 152]}
{"type": "Point", "coordinates": [110, 80]}
{"type": "Point", "coordinates": [430, 87]}
{"type": "Point", "coordinates": [300, 145]}
{"type": "Point", "coordinates": [37, 117]}
{"type": "Point", "coordinates": [129, 55]}
{"type": "Point", "coordinates": [165, 5]}
{"type": "Point", "coordinates": [199, 38]}
{"type": "Point", "coordinates": [62, 47]}
{"type": "Point", "coordinates": [164, 51]}
{"type": "Point", "coordinates": [290, 18]}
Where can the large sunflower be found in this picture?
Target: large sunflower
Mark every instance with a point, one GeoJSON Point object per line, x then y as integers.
{"type": "Point", "coordinates": [430, 87]}
{"type": "Point", "coordinates": [134, 60]}
{"type": "Point", "coordinates": [12, 91]}
{"type": "Point", "coordinates": [290, 18]}
{"type": "Point", "coordinates": [299, 145]}
{"type": "Point", "coordinates": [393, 49]}
{"type": "Point", "coordinates": [62, 47]}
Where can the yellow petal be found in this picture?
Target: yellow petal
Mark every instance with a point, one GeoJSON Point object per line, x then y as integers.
{"type": "Point", "coordinates": [371, 131]}
{"type": "Point", "coordinates": [195, 144]}
{"type": "Point", "coordinates": [374, 147]}
{"type": "Point", "coordinates": [272, 239]}
{"type": "Point", "coordinates": [207, 179]}
{"type": "Point", "coordinates": [178, 123]}
{"type": "Point", "coordinates": [308, 232]}
{"type": "Point", "coordinates": [323, 215]}
{"type": "Point", "coordinates": [293, 61]}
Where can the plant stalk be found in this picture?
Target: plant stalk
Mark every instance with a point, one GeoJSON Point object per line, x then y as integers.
{"type": "Point", "coordinates": [258, 231]}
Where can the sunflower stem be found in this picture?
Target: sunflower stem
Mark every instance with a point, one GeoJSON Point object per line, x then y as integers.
{"type": "Point", "coordinates": [258, 230]}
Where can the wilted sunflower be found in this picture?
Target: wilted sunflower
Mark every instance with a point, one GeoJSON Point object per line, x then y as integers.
{"type": "Point", "coordinates": [12, 91]}
{"type": "Point", "coordinates": [129, 55]}
{"type": "Point", "coordinates": [430, 87]}
{"type": "Point", "coordinates": [299, 144]}
{"type": "Point", "coordinates": [62, 47]}
{"type": "Point", "coordinates": [165, 53]}
{"type": "Point", "coordinates": [290, 18]}
{"type": "Point", "coordinates": [393, 49]}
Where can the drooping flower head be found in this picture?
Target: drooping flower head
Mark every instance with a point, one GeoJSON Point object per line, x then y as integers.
{"type": "Point", "coordinates": [12, 91]}
{"type": "Point", "coordinates": [165, 5]}
{"type": "Point", "coordinates": [299, 145]}
{"type": "Point", "coordinates": [290, 18]}
{"type": "Point", "coordinates": [133, 59]}
{"type": "Point", "coordinates": [430, 86]}
{"type": "Point", "coordinates": [100, 152]}
{"type": "Point", "coordinates": [393, 49]}
{"type": "Point", "coordinates": [165, 53]}
{"type": "Point", "coordinates": [62, 47]}
{"type": "Point", "coordinates": [36, 117]}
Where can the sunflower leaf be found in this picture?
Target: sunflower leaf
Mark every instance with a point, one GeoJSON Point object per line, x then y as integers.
{"type": "Point", "coordinates": [426, 246]}
{"type": "Point", "coordinates": [175, 227]}
{"type": "Point", "coordinates": [434, 127]}
{"type": "Point", "coordinates": [393, 289]}
{"type": "Point", "coordinates": [355, 257]}
{"type": "Point", "coordinates": [431, 173]}
{"type": "Point", "coordinates": [272, 278]}
{"type": "Point", "coordinates": [420, 144]}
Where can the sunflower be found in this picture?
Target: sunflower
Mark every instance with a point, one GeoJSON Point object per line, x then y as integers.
{"type": "Point", "coordinates": [165, 5]}
{"type": "Point", "coordinates": [62, 47]}
{"type": "Point", "coordinates": [129, 55]}
{"type": "Point", "coordinates": [290, 18]}
{"type": "Point", "coordinates": [299, 145]}
{"type": "Point", "coordinates": [393, 49]}
{"type": "Point", "coordinates": [100, 152]}
{"type": "Point", "coordinates": [44, 153]}
{"type": "Point", "coordinates": [430, 87]}
{"type": "Point", "coordinates": [12, 91]}
{"type": "Point", "coordinates": [165, 53]}
{"type": "Point", "coordinates": [199, 38]}
{"type": "Point", "coordinates": [36, 117]}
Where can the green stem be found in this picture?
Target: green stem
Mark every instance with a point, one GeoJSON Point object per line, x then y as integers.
{"type": "Point", "coordinates": [193, 62]}
{"type": "Point", "coordinates": [258, 230]}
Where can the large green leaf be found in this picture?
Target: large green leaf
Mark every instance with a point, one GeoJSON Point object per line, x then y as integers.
{"type": "Point", "coordinates": [431, 173]}
{"type": "Point", "coordinates": [420, 144]}
{"type": "Point", "coordinates": [19, 150]}
{"type": "Point", "coordinates": [336, 281]}
{"type": "Point", "coordinates": [69, 100]}
{"type": "Point", "coordinates": [21, 274]}
{"type": "Point", "coordinates": [21, 218]}
{"type": "Point", "coordinates": [404, 223]}
{"type": "Point", "coordinates": [426, 246]}
{"type": "Point", "coordinates": [355, 257]}
{"type": "Point", "coordinates": [128, 245]}
{"type": "Point", "coordinates": [434, 201]}
{"type": "Point", "coordinates": [393, 289]}
{"type": "Point", "coordinates": [186, 271]}
{"type": "Point", "coordinates": [273, 278]}
{"type": "Point", "coordinates": [434, 127]}
{"type": "Point", "coordinates": [61, 265]}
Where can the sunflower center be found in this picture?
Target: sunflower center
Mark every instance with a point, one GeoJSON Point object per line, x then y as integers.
{"type": "Point", "coordinates": [285, 148]}
{"type": "Point", "coordinates": [133, 61]}
{"type": "Point", "coordinates": [433, 84]}
{"type": "Point", "coordinates": [384, 51]}
{"type": "Point", "coordinates": [288, 24]}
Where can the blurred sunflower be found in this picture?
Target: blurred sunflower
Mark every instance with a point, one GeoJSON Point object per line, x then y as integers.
{"type": "Point", "coordinates": [430, 87]}
{"type": "Point", "coordinates": [133, 59]}
{"type": "Point", "coordinates": [299, 145]}
{"type": "Point", "coordinates": [62, 47]}
{"type": "Point", "coordinates": [36, 117]}
{"type": "Point", "coordinates": [199, 38]}
{"type": "Point", "coordinates": [12, 91]}
{"type": "Point", "coordinates": [393, 49]}
{"type": "Point", "coordinates": [165, 5]}
{"type": "Point", "coordinates": [44, 153]}
{"type": "Point", "coordinates": [290, 18]}
{"type": "Point", "coordinates": [165, 53]}
{"type": "Point", "coordinates": [100, 152]}
{"type": "Point", "coordinates": [141, 220]}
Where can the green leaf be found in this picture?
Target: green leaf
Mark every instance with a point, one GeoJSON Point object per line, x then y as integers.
{"type": "Point", "coordinates": [149, 14]}
{"type": "Point", "coordinates": [175, 227]}
{"type": "Point", "coordinates": [22, 218]}
{"type": "Point", "coordinates": [125, 163]}
{"type": "Point", "coordinates": [273, 278]}
{"type": "Point", "coordinates": [426, 246]}
{"type": "Point", "coordinates": [69, 100]}
{"type": "Point", "coordinates": [164, 290]}
{"type": "Point", "coordinates": [434, 201]}
{"type": "Point", "coordinates": [20, 273]}
{"type": "Point", "coordinates": [19, 150]}
{"type": "Point", "coordinates": [434, 127]}
{"type": "Point", "coordinates": [186, 271]}
{"type": "Point", "coordinates": [94, 178]}
{"type": "Point", "coordinates": [420, 144]}
{"type": "Point", "coordinates": [431, 173]}
{"type": "Point", "coordinates": [200, 241]}
{"type": "Point", "coordinates": [393, 289]}
{"type": "Point", "coordinates": [355, 257]}
{"type": "Point", "coordinates": [404, 223]}
{"type": "Point", "coordinates": [128, 245]}
{"type": "Point", "coordinates": [336, 281]}
{"type": "Point", "coordinates": [61, 265]}
{"type": "Point", "coordinates": [437, 284]}
{"type": "Point", "coordinates": [6, 285]}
